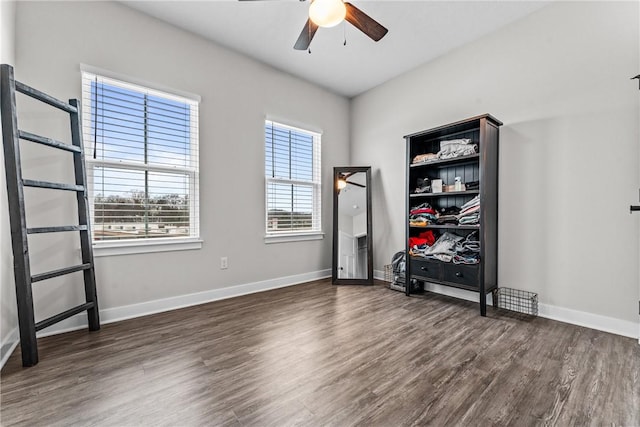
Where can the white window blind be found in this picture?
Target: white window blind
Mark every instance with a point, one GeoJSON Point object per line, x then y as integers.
{"type": "Point", "coordinates": [141, 149]}
{"type": "Point", "coordinates": [292, 169]}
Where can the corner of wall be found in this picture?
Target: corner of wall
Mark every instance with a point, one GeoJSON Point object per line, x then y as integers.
{"type": "Point", "coordinates": [350, 130]}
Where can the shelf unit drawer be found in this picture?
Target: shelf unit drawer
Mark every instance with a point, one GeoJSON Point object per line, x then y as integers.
{"type": "Point", "coordinates": [426, 268]}
{"type": "Point", "coordinates": [462, 274]}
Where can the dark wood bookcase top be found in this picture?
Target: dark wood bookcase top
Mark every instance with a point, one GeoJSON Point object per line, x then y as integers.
{"type": "Point", "coordinates": [482, 167]}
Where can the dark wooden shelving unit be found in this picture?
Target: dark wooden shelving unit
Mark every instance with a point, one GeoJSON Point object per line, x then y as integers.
{"type": "Point", "coordinates": [482, 167]}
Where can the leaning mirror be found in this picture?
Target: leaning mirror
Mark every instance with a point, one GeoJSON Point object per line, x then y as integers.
{"type": "Point", "coordinates": [352, 239]}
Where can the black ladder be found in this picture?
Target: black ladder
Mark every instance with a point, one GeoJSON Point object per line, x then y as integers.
{"type": "Point", "coordinates": [11, 136]}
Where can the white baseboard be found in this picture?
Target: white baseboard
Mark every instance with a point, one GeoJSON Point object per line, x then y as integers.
{"type": "Point", "coordinates": [561, 314]}
{"type": "Point", "coordinates": [117, 314]}
{"type": "Point", "coordinates": [125, 312]}
{"type": "Point", "coordinates": [589, 320]}
{"type": "Point", "coordinates": [8, 345]}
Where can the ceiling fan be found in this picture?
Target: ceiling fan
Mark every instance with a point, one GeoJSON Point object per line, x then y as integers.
{"type": "Point", "coordinates": [329, 13]}
{"type": "Point", "coordinates": [343, 181]}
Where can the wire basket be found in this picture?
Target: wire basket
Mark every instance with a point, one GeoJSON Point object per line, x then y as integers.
{"type": "Point", "coordinates": [388, 273]}
{"type": "Point", "coordinates": [517, 300]}
{"type": "Point", "coordinates": [390, 277]}
{"type": "Point", "coordinates": [395, 287]}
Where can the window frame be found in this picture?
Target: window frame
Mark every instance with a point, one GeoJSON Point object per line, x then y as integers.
{"type": "Point", "coordinates": [316, 233]}
{"type": "Point", "coordinates": [145, 244]}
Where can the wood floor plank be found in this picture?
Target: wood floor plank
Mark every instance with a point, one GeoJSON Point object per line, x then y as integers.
{"type": "Point", "coordinates": [317, 354]}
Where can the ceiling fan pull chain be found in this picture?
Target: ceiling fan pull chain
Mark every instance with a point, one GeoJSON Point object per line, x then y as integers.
{"type": "Point", "coordinates": [344, 31]}
{"type": "Point", "coordinates": [309, 51]}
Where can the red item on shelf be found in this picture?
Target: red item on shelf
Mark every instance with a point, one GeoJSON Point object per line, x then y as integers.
{"type": "Point", "coordinates": [421, 211]}
{"type": "Point", "coordinates": [424, 238]}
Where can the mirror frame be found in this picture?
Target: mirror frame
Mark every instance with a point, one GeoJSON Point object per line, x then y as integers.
{"type": "Point", "coordinates": [337, 171]}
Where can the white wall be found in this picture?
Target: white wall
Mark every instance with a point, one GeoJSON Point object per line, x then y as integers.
{"type": "Point", "coordinates": [8, 320]}
{"type": "Point", "coordinates": [346, 223]}
{"type": "Point", "coordinates": [360, 224]}
{"type": "Point", "coordinates": [236, 93]}
{"type": "Point", "coordinates": [559, 80]}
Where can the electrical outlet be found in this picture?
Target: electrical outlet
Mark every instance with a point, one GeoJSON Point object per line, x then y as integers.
{"type": "Point", "coordinates": [224, 263]}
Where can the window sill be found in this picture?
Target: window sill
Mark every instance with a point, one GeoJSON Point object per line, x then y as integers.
{"type": "Point", "coordinates": [101, 249]}
{"type": "Point", "coordinates": [293, 237]}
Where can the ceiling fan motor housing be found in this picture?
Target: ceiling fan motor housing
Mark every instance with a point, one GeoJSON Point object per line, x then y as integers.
{"type": "Point", "coordinates": [327, 13]}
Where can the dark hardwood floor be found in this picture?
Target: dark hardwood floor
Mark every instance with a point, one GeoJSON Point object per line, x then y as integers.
{"type": "Point", "coordinates": [317, 354]}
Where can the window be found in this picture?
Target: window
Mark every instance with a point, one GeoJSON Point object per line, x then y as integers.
{"type": "Point", "coordinates": [292, 169]}
{"type": "Point", "coordinates": [141, 149]}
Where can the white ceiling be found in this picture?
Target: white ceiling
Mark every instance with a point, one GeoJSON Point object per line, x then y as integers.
{"type": "Point", "coordinates": [352, 199]}
{"type": "Point", "coordinates": [419, 31]}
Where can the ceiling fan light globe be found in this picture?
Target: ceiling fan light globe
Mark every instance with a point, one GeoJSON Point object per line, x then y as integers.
{"type": "Point", "coordinates": [327, 13]}
{"type": "Point", "coordinates": [341, 184]}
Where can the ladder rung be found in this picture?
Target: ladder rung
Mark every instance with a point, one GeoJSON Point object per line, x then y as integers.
{"type": "Point", "coordinates": [37, 230]}
{"type": "Point", "coordinates": [53, 185]}
{"type": "Point", "coordinates": [47, 141]}
{"type": "Point", "coordinates": [59, 272]}
{"type": "Point", "coordinates": [64, 315]}
{"type": "Point", "coordinates": [47, 99]}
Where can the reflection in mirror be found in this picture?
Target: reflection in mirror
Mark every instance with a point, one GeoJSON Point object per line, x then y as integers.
{"type": "Point", "coordinates": [352, 245]}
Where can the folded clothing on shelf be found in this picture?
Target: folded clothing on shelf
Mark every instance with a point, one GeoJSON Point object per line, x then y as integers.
{"type": "Point", "coordinates": [422, 158]}
{"type": "Point", "coordinates": [426, 238]}
{"type": "Point", "coordinates": [448, 150]}
{"type": "Point", "coordinates": [471, 219]}
{"type": "Point", "coordinates": [444, 248]}
{"type": "Point", "coordinates": [422, 220]}
{"type": "Point", "coordinates": [456, 148]}
{"type": "Point", "coordinates": [422, 208]}
{"type": "Point", "coordinates": [467, 251]}
{"type": "Point", "coordinates": [422, 215]}
{"type": "Point", "coordinates": [470, 204]}
{"type": "Point", "coordinates": [470, 212]}
{"type": "Point", "coordinates": [448, 215]}
{"type": "Point", "coordinates": [447, 219]}
{"type": "Point", "coordinates": [451, 247]}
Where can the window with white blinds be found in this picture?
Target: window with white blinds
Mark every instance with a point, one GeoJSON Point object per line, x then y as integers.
{"type": "Point", "coordinates": [292, 169]}
{"type": "Point", "coordinates": [141, 150]}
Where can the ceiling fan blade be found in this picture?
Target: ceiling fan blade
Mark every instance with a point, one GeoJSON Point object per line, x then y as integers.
{"type": "Point", "coordinates": [364, 22]}
{"type": "Point", "coordinates": [356, 184]}
{"type": "Point", "coordinates": [304, 40]}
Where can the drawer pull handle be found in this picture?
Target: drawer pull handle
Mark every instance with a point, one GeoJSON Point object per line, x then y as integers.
{"type": "Point", "coordinates": [458, 274]}
{"type": "Point", "coordinates": [423, 268]}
